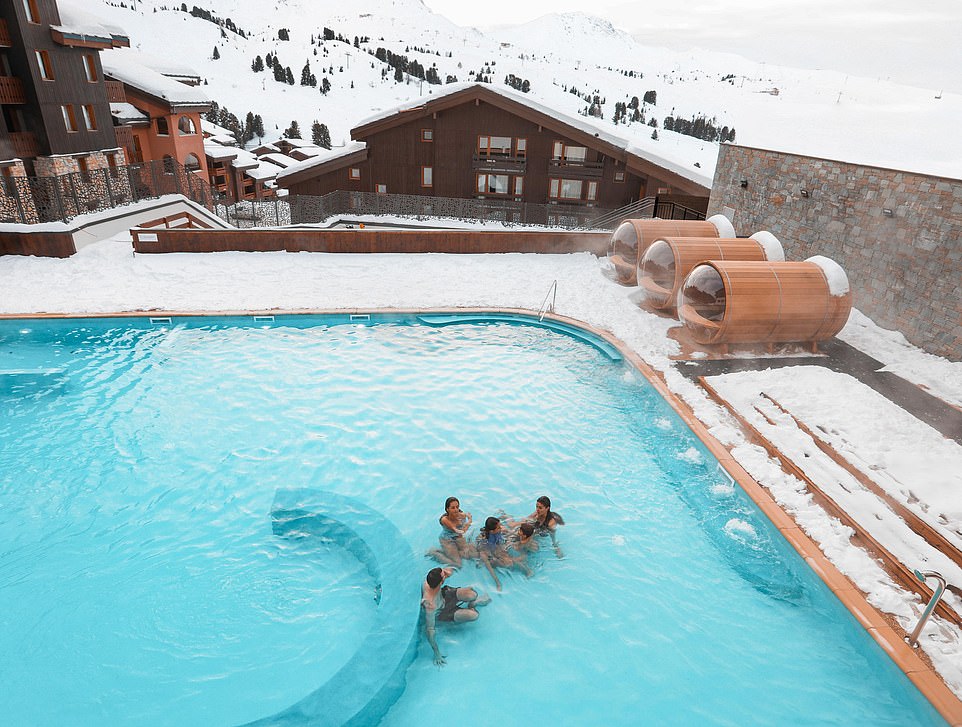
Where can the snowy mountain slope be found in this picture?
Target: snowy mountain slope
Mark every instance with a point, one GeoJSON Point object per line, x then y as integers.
{"type": "Point", "coordinates": [818, 113]}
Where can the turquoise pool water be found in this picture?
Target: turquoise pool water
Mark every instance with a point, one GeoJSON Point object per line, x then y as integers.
{"type": "Point", "coordinates": [142, 581]}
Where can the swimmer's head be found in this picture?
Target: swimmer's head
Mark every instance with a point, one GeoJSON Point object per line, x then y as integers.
{"type": "Point", "coordinates": [527, 530]}
{"type": "Point", "coordinates": [435, 576]}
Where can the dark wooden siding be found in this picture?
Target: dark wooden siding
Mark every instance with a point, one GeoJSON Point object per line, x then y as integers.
{"type": "Point", "coordinates": [397, 154]}
{"type": "Point", "coordinates": [70, 85]}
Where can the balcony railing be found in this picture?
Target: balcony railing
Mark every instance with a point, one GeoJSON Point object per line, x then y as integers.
{"type": "Point", "coordinates": [5, 41]}
{"type": "Point", "coordinates": [23, 144]}
{"type": "Point", "coordinates": [505, 164]}
{"type": "Point", "coordinates": [11, 90]}
{"type": "Point", "coordinates": [575, 169]}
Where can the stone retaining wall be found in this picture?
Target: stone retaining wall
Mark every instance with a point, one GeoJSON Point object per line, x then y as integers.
{"type": "Point", "coordinates": [897, 234]}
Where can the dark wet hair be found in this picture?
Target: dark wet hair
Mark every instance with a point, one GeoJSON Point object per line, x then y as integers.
{"type": "Point", "coordinates": [546, 501]}
{"type": "Point", "coordinates": [527, 529]}
{"type": "Point", "coordinates": [434, 577]}
{"type": "Point", "coordinates": [448, 502]}
{"type": "Point", "coordinates": [490, 524]}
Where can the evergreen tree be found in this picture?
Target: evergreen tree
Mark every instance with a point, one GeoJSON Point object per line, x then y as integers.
{"type": "Point", "coordinates": [325, 85]}
{"type": "Point", "coordinates": [248, 128]}
{"type": "Point", "coordinates": [289, 76]}
{"type": "Point", "coordinates": [651, 97]}
{"type": "Point", "coordinates": [306, 74]}
{"type": "Point", "coordinates": [316, 132]}
{"type": "Point", "coordinates": [279, 74]}
{"type": "Point", "coordinates": [398, 74]}
{"type": "Point", "coordinates": [216, 54]}
{"type": "Point", "coordinates": [293, 131]}
{"type": "Point", "coordinates": [258, 127]}
{"type": "Point", "coordinates": [283, 34]}
{"type": "Point", "coordinates": [258, 65]}
{"type": "Point", "coordinates": [269, 60]}
{"type": "Point", "coordinates": [633, 104]}
{"type": "Point", "coordinates": [654, 134]}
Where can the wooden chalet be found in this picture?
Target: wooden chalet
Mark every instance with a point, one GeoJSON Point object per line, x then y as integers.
{"type": "Point", "coordinates": [483, 142]}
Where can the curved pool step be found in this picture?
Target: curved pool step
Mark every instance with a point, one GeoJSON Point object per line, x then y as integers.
{"type": "Point", "coordinates": [574, 332]}
{"type": "Point", "coordinates": [366, 687]}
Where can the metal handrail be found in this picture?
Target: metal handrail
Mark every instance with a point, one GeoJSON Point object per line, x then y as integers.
{"type": "Point", "coordinates": [545, 308]}
{"type": "Point", "coordinates": [913, 639]}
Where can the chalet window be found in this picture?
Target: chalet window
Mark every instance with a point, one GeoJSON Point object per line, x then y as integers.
{"type": "Point", "coordinates": [520, 147]}
{"type": "Point", "coordinates": [381, 188]}
{"type": "Point", "coordinates": [518, 186]}
{"type": "Point", "coordinates": [185, 125]}
{"type": "Point", "coordinates": [69, 117]}
{"type": "Point", "coordinates": [163, 128]}
{"type": "Point", "coordinates": [563, 152]}
{"type": "Point", "coordinates": [492, 184]}
{"type": "Point", "coordinates": [619, 176]}
{"type": "Point", "coordinates": [494, 145]}
{"type": "Point", "coordinates": [30, 7]}
{"type": "Point", "coordinates": [427, 134]}
{"type": "Point", "coordinates": [592, 191]}
{"type": "Point", "coordinates": [90, 67]}
{"type": "Point", "coordinates": [354, 173]}
{"type": "Point", "coordinates": [564, 188]}
{"type": "Point", "coordinates": [192, 163]}
{"type": "Point", "coordinates": [427, 176]}
{"type": "Point", "coordinates": [90, 117]}
{"type": "Point", "coordinates": [46, 67]}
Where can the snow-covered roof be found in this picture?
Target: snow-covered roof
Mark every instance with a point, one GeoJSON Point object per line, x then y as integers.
{"type": "Point", "coordinates": [125, 112]}
{"type": "Point", "coordinates": [80, 23]}
{"type": "Point", "coordinates": [281, 160]}
{"type": "Point", "coordinates": [584, 124]}
{"type": "Point", "coordinates": [296, 143]}
{"type": "Point", "coordinates": [307, 151]}
{"type": "Point", "coordinates": [122, 65]}
{"type": "Point", "coordinates": [328, 155]}
{"type": "Point", "coordinates": [209, 127]}
{"type": "Point", "coordinates": [262, 171]}
{"type": "Point", "coordinates": [223, 139]}
{"type": "Point", "coordinates": [219, 151]}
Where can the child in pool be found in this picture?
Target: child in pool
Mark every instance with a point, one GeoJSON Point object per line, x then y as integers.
{"type": "Point", "coordinates": [493, 553]}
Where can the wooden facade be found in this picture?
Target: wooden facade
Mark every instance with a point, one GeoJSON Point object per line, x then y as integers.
{"type": "Point", "coordinates": [477, 143]}
{"type": "Point", "coordinates": [474, 242]}
{"type": "Point", "coordinates": [63, 108]}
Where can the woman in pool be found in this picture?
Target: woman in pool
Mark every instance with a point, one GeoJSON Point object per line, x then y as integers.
{"type": "Point", "coordinates": [454, 524]}
{"type": "Point", "coordinates": [545, 522]}
{"type": "Point", "coordinates": [493, 552]}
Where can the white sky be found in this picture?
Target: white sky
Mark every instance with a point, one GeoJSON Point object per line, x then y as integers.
{"type": "Point", "coordinates": [908, 42]}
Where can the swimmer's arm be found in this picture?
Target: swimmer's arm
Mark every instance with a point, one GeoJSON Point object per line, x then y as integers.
{"type": "Point", "coordinates": [429, 632]}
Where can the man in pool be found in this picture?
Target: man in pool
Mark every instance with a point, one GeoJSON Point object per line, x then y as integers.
{"type": "Point", "coordinates": [444, 603]}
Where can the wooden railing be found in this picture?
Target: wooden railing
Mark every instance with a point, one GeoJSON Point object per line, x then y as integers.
{"type": "Point", "coordinates": [11, 90]}
{"type": "Point", "coordinates": [115, 92]}
{"type": "Point", "coordinates": [4, 35]}
{"type": "Point", "coordinates": [24, 144]}
{"type": "Point", "coordinates": [575, 169]}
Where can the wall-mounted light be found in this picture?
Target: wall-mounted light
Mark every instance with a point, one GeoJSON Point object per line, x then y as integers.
{"type": "Point", "coordinates": [803, 192]}
{"type": "Point", "coordinates": [888, 212]}
{"type": "Point", "coordinates": [743, 184]}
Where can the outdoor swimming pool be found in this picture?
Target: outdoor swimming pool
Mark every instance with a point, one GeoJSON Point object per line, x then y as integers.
{"type": "Point", "coordinates": [143, 583]}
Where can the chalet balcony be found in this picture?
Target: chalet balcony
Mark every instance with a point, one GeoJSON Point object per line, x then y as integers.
{"type": "Point", "coordinates": [24, 144]}
{"type": "Point", "coordinates": [499, 164]}
{"type": "Point", "coordinates": [115, 92]}
{"type": "Point", "coordinates": [11, 90]}
{"type": "Point", "coordinates": [575, 169]}
{"type": "Point", "coordinates": [125, 139]}
{"type": "Point", "coordinates": [5, 41]}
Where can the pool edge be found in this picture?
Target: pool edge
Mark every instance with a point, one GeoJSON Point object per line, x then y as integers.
{"type": "Point", "coordinates": [928, 681]}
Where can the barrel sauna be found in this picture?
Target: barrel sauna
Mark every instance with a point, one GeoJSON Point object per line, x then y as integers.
{"type": "Point", "coordinates": [667, 262]}
{"type": "Point", "coordinates": [735, 301]}
{"type": "Point", "coordinates": [632, 237]}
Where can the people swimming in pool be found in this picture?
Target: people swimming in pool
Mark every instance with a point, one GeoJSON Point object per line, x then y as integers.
{"type": "Point", "coordinates": [454, 525]}
{"type": "Point", "coordinates": [545, 522]}
{"type": "Point", "coordinates": [446, 603]}
{"type": "Point", "coordinates": [493, 551]}
{"type": "Point", "coordinates": [521, 542]}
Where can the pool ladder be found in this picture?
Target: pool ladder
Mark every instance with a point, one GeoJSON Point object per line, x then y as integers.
{"type": "Point", "coordinates": [545, 306]}
{"type": "Point", "coordinates": [933, 602]}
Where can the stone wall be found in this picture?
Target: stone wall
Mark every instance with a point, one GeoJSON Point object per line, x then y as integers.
{"type": "Point", "coordinates": [897, 234]}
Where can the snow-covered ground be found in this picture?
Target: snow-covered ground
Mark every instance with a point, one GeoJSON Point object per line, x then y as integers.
{"type": "Point", "coordinates": [916, 464]}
